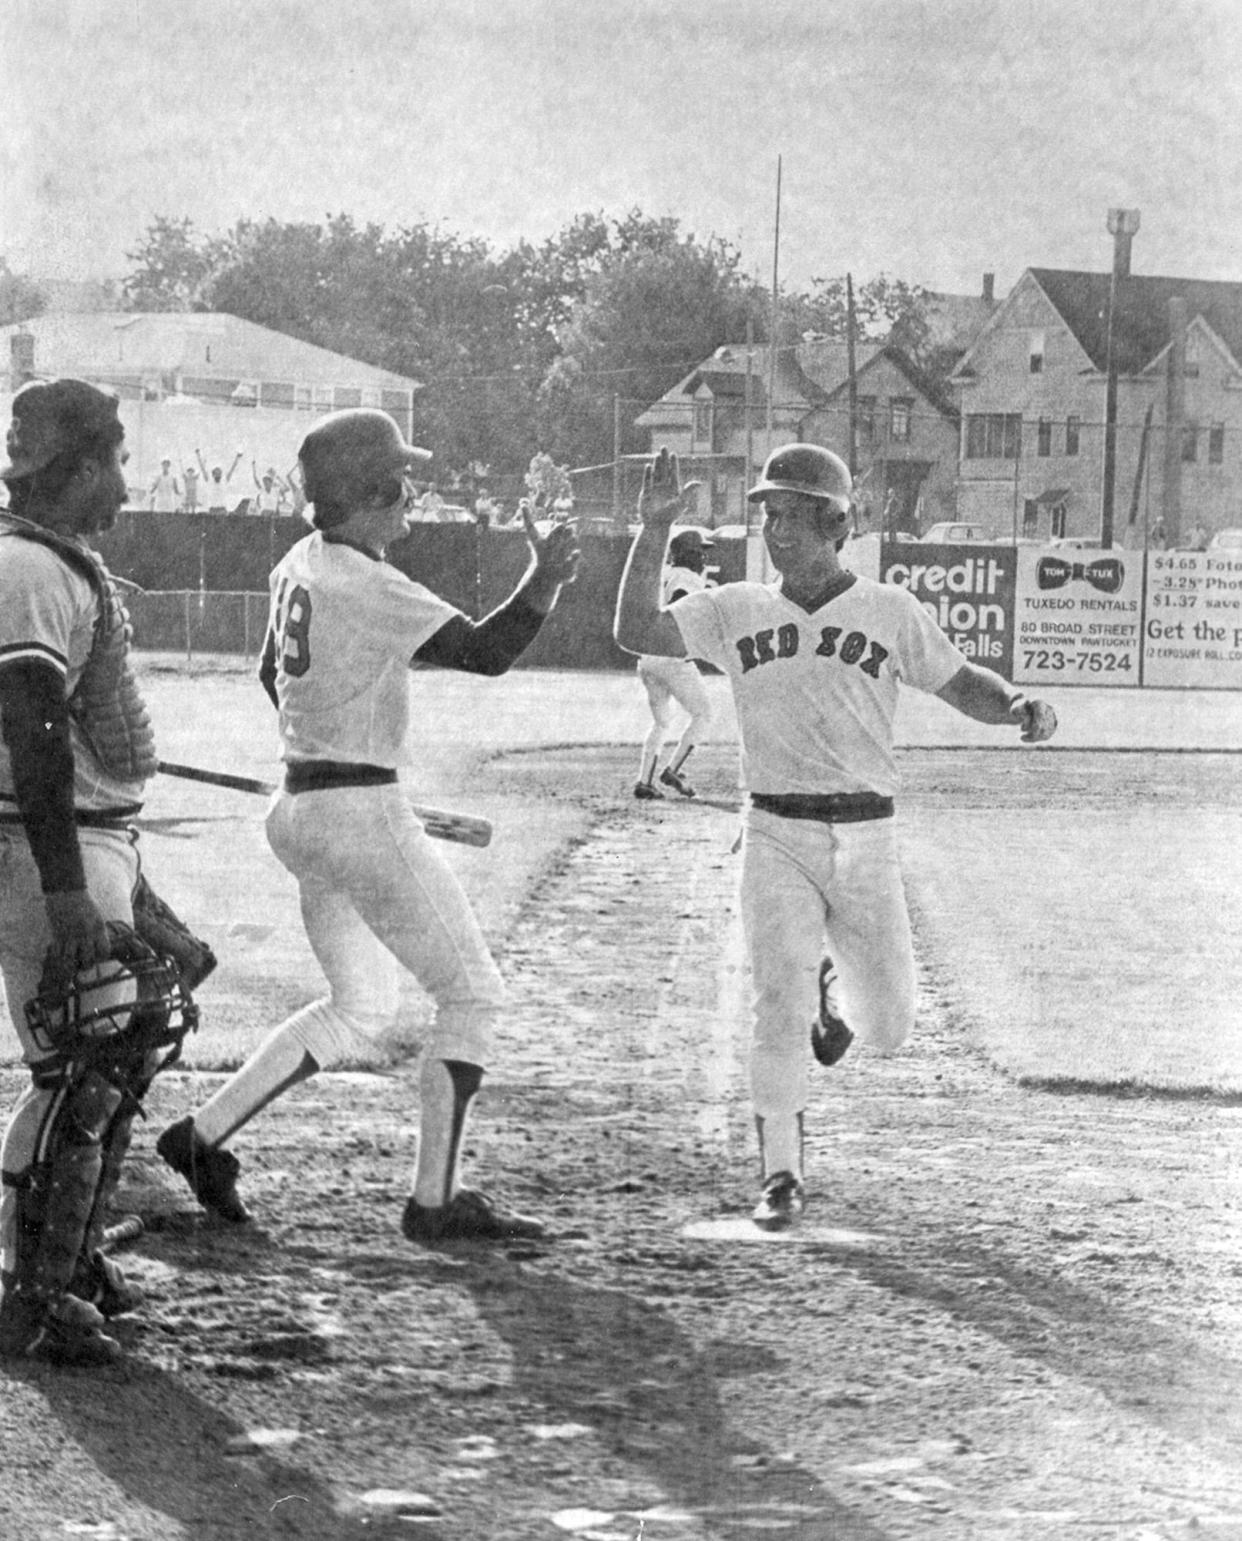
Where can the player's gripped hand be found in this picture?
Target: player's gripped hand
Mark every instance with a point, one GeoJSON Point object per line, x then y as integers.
{"type": "Point", "coordinates": [1036, 719]}
{"type": "Point", "coordinates": [556, 553]}
{"type": "Point", "coordinates": [79, 936]}
{"type": "Point", "coordinates": [662, 496]}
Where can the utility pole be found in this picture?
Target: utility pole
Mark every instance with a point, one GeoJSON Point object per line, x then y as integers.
{"type": "Point", "coordinates": [616, 458]}
{"type": "Point", "coordinates": [852, 457]}
{"type": "Point", "coordinates": [775, 322]}
{"type": "Point", "coordinates": [1174, 420]}
{"type": "Point", "coordinates": [748, 472]}
{"type": "Point", "coordinates": [1123, 225]}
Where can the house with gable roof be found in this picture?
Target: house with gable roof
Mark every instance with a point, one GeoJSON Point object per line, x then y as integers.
{"type": "Point", "coordinates": [906, 439]}
{"type": "Point", "coordinates": [1032, 395]}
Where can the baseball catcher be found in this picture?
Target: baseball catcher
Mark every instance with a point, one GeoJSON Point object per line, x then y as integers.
{"type": "Point", "coordinates": [76, 749]}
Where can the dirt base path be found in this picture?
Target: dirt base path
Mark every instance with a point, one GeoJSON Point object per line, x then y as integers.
{"type": "Point", "coordinates": [1008, 1314]}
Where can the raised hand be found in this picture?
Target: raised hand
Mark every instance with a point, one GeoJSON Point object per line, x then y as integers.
{"type": "Point", "coordinates": [663, 497]}
{"type": "Point", "coordinates": [556, 554]}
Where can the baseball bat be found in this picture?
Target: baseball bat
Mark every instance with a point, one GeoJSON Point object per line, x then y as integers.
{"type": "Point", "coordinates": [124, 1231]}
{"type": "Point", "coordinates": [440, 823]}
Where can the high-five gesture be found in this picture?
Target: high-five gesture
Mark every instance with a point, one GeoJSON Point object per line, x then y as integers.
{"type": "Point", "coordinates": [663, 497]}
{"type": "Point", "coordinates": [556, 554]}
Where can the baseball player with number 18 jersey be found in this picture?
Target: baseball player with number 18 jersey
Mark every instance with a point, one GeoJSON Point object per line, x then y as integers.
{"type": "Point", "coordinates": [348, 636]}
{"type": "Point", "coordinates": [815, 663]}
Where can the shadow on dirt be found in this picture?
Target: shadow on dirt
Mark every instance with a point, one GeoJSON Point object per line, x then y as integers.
{"type": "Point", "coordinates": [168, 1451]}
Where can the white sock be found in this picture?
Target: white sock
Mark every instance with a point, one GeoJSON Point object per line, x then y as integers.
{"type": "Point", "coordinates": [780, 1144]}
{"type": "Point", "coordinates": [290, 1053]}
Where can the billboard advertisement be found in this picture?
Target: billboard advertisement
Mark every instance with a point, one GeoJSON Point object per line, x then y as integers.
{"type": "Point", "coordinates": [1192, 634]}
{"type": "Point", "coordinates": [1079, 617]}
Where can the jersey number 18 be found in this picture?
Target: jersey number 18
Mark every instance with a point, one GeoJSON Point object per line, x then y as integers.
{"type": "Point", "coordinates": [292, 626]}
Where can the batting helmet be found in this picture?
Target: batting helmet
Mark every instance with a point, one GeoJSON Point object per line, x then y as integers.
{"type": "Point", "coordinates": [348, 453]}
{"type": "Point", "coordinates": [688, 542]}
{"type": "Point", "coordinates": [808, 469]}
{"type": "Point", "coordinates": [52, 416]}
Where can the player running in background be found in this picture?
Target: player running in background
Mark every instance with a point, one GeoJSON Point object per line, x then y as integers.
{"type": "Point", "coordinates": [814, 662]}
{"type": "Point", "coordinates": [670, 681]}
{"type": "Point", "coordinates": [345, 631]}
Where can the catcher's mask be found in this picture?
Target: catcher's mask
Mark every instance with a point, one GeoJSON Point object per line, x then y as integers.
{"type": "Point", "coordinates": [135, 995]}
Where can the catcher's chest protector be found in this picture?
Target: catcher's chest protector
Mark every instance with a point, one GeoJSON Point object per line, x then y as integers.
{"type": "Point", "coordinates": [106, 704]}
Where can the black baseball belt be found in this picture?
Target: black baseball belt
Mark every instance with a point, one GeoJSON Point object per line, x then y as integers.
{"type": "Point", "coordinates": [323, 775]}
{"type": "Point", "coordinates": [87, 818]}
{"type": "Point", "coordinates": [824, 807]}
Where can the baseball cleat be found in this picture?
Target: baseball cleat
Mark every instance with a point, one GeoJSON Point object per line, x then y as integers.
{"type": "Point", "coordinates": [646, 793]}
{"type": "Point", "coordinates": [671, 778]}
{"type": "Point", "coordinates": [101, 1283]}
{"type": "Point", "coordinates": [468, 1216]}
{"type": "Point", "coordinates": [210, 1172]}
{"type": "Point", "coordinates": [829, 1035]}
{"type": "Point", "coordinates": [64, 1331]}
{"type": "Point", "coordinates": [781, 1204]}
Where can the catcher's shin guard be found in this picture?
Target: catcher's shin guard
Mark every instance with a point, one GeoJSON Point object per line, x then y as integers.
{"type": "Point", "coordinates": [95, 1277]}
{"type": "Point", "coordinates": [58, 1195]}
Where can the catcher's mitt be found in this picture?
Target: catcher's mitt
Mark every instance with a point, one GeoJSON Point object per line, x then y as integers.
{"type": "Point", "coordinates": [167, 935]}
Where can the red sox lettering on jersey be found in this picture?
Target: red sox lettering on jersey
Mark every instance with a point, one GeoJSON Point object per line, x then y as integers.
{"type": "Point", "coordinates": [816, 694]}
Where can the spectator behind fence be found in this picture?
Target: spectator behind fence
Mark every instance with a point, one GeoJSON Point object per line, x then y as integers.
{"type": "Point", "coordinates": [271, 491]}
{"type": "Point", "coordinates": [189, 499]}
{"type": "Point", "coordinates": [216, 496]}
{"type": "Point", "coordinates": [164, 493]}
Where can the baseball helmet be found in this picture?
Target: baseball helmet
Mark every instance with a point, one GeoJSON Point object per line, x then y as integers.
{"type": "Point", "coordinates": [809, 469]}
{"type": "Point", "coordinates": [687, 541]}
{"type": "Point", "coordinates": [52, 416]}
{"type": "Point", "coordinates": [349, 451]}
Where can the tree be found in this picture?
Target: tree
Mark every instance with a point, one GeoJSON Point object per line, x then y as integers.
{"type": "Point", "coordinates": [21, 299]}
{"type": "Point", "coordinates": [172, 267]}
{"type": "Point", "coordinates": [888, 309]}
{"type": "Point", "coordinates": [654, 302]}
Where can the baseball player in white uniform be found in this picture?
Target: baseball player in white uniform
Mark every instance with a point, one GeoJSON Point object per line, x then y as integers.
{"type": "Point", "coordinates": [345, 631]}
{"type": "Point", "coordinates": [672, 682]}
{"type": "Point", "coordinates": [814, 661]}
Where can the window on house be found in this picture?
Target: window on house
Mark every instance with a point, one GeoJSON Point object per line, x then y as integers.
{"type": "Point", "coordinates": [1036, 356]}
{"type": "Point", "coordinates": [1216, 444]}
{"type": "Point", "coordinates": [1073, 426]}
{"type": "Point", "coordinates": [993, 436]}
{"type": "Point", "coordinates": [1190, 441]}
{"type": "Point", "coordinates": [900, 409]}
{"type": "Point", "coordinates": [1045, 436]}
{"type": "Point", "coordinates": [1058, 521]}
{"type": "Point", "coordinates": [865, 419]}
{"type": "Point", "coordinates": [702, 421]}
{"type": "Point", "coordinates": [1030, 517]}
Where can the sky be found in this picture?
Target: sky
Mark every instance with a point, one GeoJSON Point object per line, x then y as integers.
{"type": "Point", "coordinates": [930, 140]}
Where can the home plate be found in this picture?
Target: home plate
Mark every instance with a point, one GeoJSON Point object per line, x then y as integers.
{"type": "Point", "coordinates": [741, 1229]}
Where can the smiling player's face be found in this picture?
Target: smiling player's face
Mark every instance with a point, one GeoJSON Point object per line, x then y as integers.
{"type": "Point", "coordinates": [792, 535]}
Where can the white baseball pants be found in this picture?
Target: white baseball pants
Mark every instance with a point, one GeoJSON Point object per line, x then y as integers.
{"type": "Point", "coordinates": [808, 887]}
{"type": "Point", "coordinates": [376, 895]}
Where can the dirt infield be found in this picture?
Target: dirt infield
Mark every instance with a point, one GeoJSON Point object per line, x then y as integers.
{"type": "Point", "coordinates": [1011, 1312]}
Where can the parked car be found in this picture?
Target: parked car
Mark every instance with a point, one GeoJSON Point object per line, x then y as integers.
{"type": "Point", "coordinates": [1226, 540]}
{"type": "Point", "coordinates": [951, 533]}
